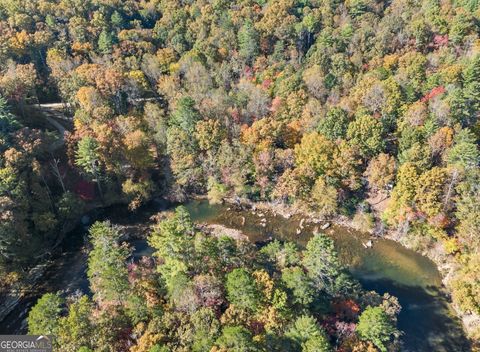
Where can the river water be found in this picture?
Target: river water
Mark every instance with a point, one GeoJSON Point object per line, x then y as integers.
{"type": "Point", "coordinates": [427, 320]}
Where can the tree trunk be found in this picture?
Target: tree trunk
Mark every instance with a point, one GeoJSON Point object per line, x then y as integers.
{"type": "Point", "coordinates": [56, 172]}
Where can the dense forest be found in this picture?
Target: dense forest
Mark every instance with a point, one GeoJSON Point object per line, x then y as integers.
{"type": "Point", "coordinates": [216, 294]}
{"type": "Point", "coordinates": [365, 109]}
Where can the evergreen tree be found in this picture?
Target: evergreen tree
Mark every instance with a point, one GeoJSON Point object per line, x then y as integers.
{"type": "Point", "coordinates": [321, 261]}
{"type": "Point", "coordinates": [334, 125]}
{"type": "Point", "coordinates": [77, 329]}
{"type": "Point", "coordinates": [117, 20]}
{"type": "Point", "coordinates": [375, 325]}
{"type": "Point", "coordinates": [242, 291]}
{"type": "Point", "coordinates": [105, 42]}
{"type": "Point", "coordinates": [185, 115]}
{"type": "Point", "coordinates": [173, 237]}
{"type": "Point", "coordinates": [88, 158]}
{"type": "Point", "coordinates": [8, 123]}
{"type": "Point", "coordinates": [471, 89]}
{"type": "Point", "coordinates": [107, 271]}
{"type": "Point", "coordinates": [248, 41]}
{"type": "Point", "coordinates": [306, 333]}
{"type": "Point", "coordinates": [236, 339]}
{"type": "Point", "coordinates": [43, 318]}
{"type": "Point", "coordinates": [464, 153]}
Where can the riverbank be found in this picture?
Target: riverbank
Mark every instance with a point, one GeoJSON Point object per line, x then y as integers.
{"type": "Point", "coordinates": [387, 267]}
{"type": "Point", "coordinates": [445, 263]}
{"type": "Point", "coordinates": [427, 318]}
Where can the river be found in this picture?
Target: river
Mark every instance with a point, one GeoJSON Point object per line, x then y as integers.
{"type": "Point", "coordinates": [427, 320]}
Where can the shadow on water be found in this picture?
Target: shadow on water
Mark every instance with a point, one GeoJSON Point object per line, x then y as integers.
{"type": "Point", "coordinates": [427, 320]}
{"type": "Point", "coordinates": [426, 317]}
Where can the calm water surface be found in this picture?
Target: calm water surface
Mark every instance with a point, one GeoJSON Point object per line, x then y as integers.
{"type": "Point", "coordinates": [426, 317]}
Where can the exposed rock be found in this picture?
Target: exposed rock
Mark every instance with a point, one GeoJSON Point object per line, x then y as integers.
{"type": "Point", "coordinates": [220, 230]}
{"type": "Point", "coordinates": [368, 244]}
{"type": "Point", "coordinates": [10, 301]}
{"type": "Point", "coordinates": [301, 223]}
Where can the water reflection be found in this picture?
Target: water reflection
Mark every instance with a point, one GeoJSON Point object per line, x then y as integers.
{"type": "Point", "coordinates": [427, 320]}
{"type": "Point", "coordinates": [426, 317]}
{"type": "Point", "coordinates": [386, 260]}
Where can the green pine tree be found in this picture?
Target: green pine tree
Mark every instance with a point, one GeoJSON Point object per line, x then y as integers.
{"type": "Point", "coordinates": [248, 41]}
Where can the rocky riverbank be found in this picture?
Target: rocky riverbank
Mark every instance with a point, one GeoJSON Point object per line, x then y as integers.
{"type": "Point", "coordinates": [445, 263]}
{"type": "Point", "coordinates": [265, 217]}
